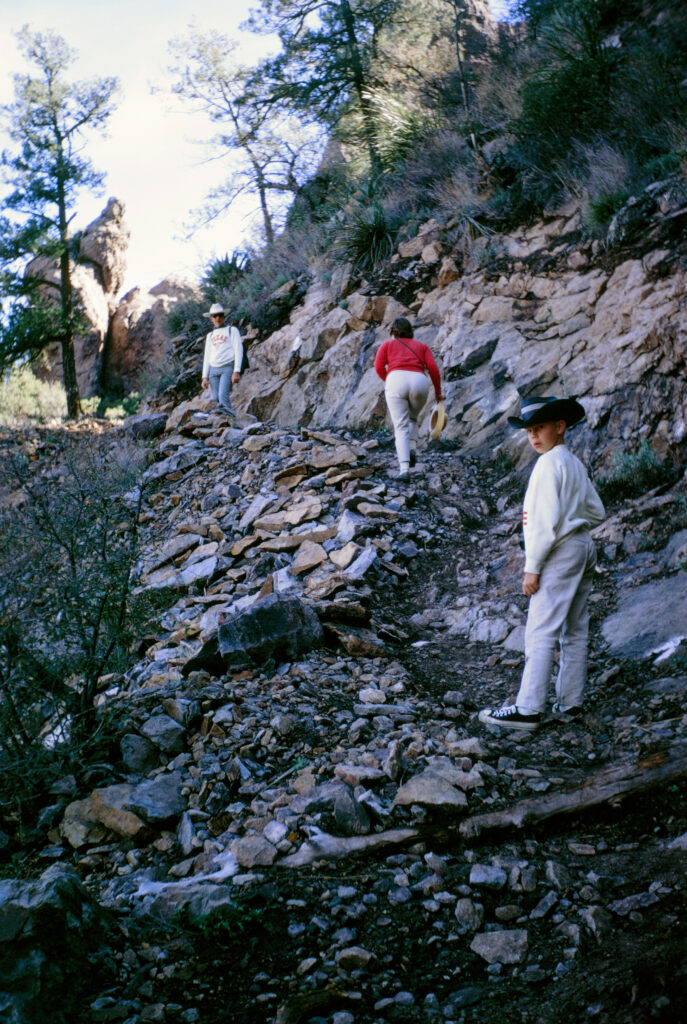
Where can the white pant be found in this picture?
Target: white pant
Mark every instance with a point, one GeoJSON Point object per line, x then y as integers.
{"type": "Point", "coordinates": [406, 393]}
{"type": "Point", "coordinates": [559, 612]}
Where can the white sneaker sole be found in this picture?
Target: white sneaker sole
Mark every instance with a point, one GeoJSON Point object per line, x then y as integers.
{"type": "Point", "coordinates": [505, 723]}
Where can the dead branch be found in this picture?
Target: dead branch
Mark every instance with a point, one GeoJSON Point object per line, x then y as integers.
{"type": "Point", "coordinates": [606, 786]}
{"type": "Point", "coordinates": [321, 844]}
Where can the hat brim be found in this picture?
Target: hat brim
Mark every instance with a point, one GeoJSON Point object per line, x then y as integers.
{"type": "Point", "coordinates": [218, 312]}
{"type": "Point", "coordinates": [437, 420]}
{"type": "Point", "coordinates": [567, 409]}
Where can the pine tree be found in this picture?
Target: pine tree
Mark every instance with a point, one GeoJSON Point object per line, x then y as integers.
{"type": "Point", "coordinates": [329, 61]}
{"type": "Point", "coordinates": [46, 170]}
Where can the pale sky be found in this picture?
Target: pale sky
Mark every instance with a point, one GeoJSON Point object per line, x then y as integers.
{"type": "Point", "coordinates": [152, 163]}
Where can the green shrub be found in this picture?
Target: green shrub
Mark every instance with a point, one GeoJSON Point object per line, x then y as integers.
{"type": "Point", "coordinates": [634, 473]}
{"type": "Point", "coordinates": [662, 166]}
{"type": "Point", "coordinates": [402, 126]}
{"type": "Point", "coordinates": [112, 407]}
{"type": "Point", "coordinates": [26, 398]}
{"type": "Point", "coordinates": [67, 557]}
{"type": "Point", "coordinates": [604, 208]}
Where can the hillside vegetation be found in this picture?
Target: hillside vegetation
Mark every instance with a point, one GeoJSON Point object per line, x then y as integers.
{"type": "Point", "coordinates": [479, 126]}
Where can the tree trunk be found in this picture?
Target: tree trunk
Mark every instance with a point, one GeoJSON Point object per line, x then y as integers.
{"type": "Point", "coordinates": [459, 13]}
{"type": "Point", "coordinates": [71, 384]}
{"type": "Point", "coordinates": [266, 216]}
{"type": "Point", "coordinates": [360, 86]}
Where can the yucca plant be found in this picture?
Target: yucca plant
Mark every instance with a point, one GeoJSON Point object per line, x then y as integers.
{"type": "Point", "coordinates": [367, 238]}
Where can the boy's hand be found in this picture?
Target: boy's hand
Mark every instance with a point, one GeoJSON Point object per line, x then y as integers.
{"type": "Point", "coordinates": [205, 383]}
{"type": "Point", "coordinates": [235, 377]}
{"type": "Point", "coordinates": [530, 583]}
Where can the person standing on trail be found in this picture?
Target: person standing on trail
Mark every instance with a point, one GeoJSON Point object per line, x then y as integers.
{"type": "Point", "coordinates": [401, 363]}
{"type": "Point", "coordinates": [223, 358]}
{"type": "Point", "coordinates": [561, 506]}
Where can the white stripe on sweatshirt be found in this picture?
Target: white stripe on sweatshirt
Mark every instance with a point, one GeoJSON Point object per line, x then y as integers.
{"type": "Point", "coordinates": [560, 499]}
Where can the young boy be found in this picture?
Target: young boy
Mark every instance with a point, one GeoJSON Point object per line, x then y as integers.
{"type": "Point", "coordinates": [560, 507]}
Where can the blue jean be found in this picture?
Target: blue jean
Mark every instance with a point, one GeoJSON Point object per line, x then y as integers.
{"type": "Point", "coordinates": [220, 385]}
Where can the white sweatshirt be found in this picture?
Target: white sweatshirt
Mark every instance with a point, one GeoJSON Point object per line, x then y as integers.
{"type": "Point", "coordinates": [222, 346]}
{"type": "Point", "coordinates": [560, 500]}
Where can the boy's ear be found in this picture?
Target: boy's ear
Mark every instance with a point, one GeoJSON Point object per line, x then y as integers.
{"type": "Point", "coordinates": [561, 427]}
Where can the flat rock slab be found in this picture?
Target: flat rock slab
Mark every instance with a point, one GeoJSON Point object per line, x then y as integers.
{"type": "Point", "coordinates": [507, 947]}
{"type": "Point", "coordinates": [648, 618]}
{"type": "Point", "coordinates": [430, 789]}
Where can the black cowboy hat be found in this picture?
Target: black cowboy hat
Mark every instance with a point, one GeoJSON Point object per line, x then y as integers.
{"type": "Point", "coordinates": [547, 410]}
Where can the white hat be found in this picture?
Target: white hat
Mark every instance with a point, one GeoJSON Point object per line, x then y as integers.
{"type": "Point", "coordinates": [437, 420]}
{"type": "Point", "coordinates": [215, 310]}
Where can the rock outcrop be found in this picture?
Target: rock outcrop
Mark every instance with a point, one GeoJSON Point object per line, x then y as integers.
{"type": "Point", "coordinates": [546, 312]}
{"type": "Point", "coordinates": [97, 274]}
{"type": "Point", "coordinates": [141, 347]}
{"type": "Point", "coordinates": [129, 345]}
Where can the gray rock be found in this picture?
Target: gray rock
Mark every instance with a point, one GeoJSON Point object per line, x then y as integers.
{"type": "Point", "coordinates": [362, 564]}
{"type": "Point", "coordinates": [195, 572]}
{"type": "Point", "coordinates": [186, 834]}
{"type": "Point", "coordinates": [197, 901]}
{"type": "Point", "coordinates": [350, 525]}
{"type": "Point", "coordinates": [469, 915]}
{"type": "Point", "coordinates": [675, 552]}
{"type": "Point", "coordinates": [558, 876]}
{"type": "Point", "coordinates": [253, 851]}
{"type": "Point", "coordinates": [37, 917]}
{"type": "Point", "coordinates": [165, 733]}
{"type": "Point", "coordinates": [486, 876]}
{"type": "Point", "coordinates": [147, 425]}
{"type": "Point", "coordinates": [157, 800]}
{"type": "Point", "coordinates": [431, 789]}
{"type": "Point", "coordinates": [335, 798]}
{"type": "Point", "coordinates": [639, 901]}
{"type": "Point", "coordinates": [598, 921]}
{"type": "Point", "coordinates": [186, 457]}
{"type": "Point", "coordinates": [545, 905]}
{"type": "Point", "coordinates": [506, 947]}
{"type": "Point", "coordinates": [648, 618]}
{"type": "Point", "coordinates": [138, 753]}
{"type": "Point", "coordinates": [273, 627]}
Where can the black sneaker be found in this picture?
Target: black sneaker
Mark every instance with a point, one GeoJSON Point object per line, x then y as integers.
{"type": "Point", "coordinates": [566, 714]}
{"type": "Point", "coordinates": [509, 718]}
{"type": "Point", "coordinates": [404, 477]}
{"type": "Point", "coordinates": [412, 459]}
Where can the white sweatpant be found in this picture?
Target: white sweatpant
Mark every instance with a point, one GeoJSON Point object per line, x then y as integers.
{"type": "Point", "coordinates": [406, 393]}
{"type": "Point", "coordinates": [559, 612]}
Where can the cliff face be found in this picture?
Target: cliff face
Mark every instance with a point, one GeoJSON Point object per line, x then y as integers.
{"type": "Point", "coordinates": [545, 313]}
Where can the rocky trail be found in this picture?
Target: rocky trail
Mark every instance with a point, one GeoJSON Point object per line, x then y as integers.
{"type": "Point", "coordinates": [302, 819]}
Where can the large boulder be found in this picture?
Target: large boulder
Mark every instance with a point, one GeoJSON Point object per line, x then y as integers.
{"type": "Point", "coordinates": [49, 930]}
{"type": "Point", "coordinates": [651, 618]}
{"type": "Point", "coordinates": [273, 627]}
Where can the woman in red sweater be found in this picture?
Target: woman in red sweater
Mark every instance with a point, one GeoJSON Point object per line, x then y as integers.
{"type": "Point", "coordinates": [401, 363]}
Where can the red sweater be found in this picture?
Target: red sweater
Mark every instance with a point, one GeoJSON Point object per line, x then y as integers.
{"type": "Point", "coordinates": [395, 355]}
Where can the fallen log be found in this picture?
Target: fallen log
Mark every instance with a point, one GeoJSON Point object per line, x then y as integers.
{"type": "Point", "coordinates": [321, 844]}
{"type": "Point", "coordinates": [305, 1005]}
{"type": "Point", "coordinates": [605, 786]}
